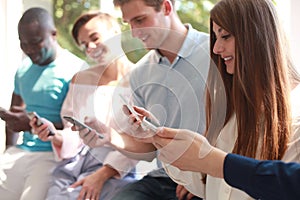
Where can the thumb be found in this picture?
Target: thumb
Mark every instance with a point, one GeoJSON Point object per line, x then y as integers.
{"type": "Point", "coordinates": [76, 184]}
{"type": "Point", "coordinates": [142, 111]}
{"type": "Point", "coordinates": [169, 133]}
{"type": "Point", "coordinates": [89, 120]}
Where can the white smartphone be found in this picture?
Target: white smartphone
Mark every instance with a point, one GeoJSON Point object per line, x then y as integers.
{"type": "Point", "coordinates": [39, 121]}
{"type": "Point", "coordinates": [146, 124]}
{"type": "Point", "coordinates": [81, 125]}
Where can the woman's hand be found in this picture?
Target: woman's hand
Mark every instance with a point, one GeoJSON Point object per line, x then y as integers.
{"type": "Point", "coordinates": [181, 148]}
{"type": "Point", "coordinates": [42, 131]}
{"type": "Point", "coordinates": [91, 186]}
{"type": "Point", "coordinates": [93, 183]}
{"type": "Point", "coordinates": [90, 137]}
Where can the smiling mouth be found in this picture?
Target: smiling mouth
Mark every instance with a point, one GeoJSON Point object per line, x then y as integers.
{"type": "Point", "coordinates": [144, 38]}
{"type": "Point", "coordinates": [98, 53]}
{"type": "Point", "coordinates": [228, 58]}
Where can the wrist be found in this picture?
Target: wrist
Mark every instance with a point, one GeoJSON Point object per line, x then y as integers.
{"type": "Point", "coordinates": [106, 172]}
{"type": "Point", "coordinates": [57, 139]}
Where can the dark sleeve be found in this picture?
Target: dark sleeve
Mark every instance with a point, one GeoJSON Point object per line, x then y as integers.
{"type": "Point", "coordinates": [267, 180]}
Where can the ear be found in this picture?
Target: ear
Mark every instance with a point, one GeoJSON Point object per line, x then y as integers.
{"type": "Point", "coordinates": [167, 7]}
{"type": "Point", "coordinates": [54, 33]}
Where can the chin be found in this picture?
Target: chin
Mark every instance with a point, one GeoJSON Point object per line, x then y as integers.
{"type": "Point", "coordinates": [230, 70]}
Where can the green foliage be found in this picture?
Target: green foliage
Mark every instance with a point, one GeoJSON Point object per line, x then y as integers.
{"type": "Point", "coordinates": [65, 14]}
{"type": "Point", "coordinates": [195, 12]}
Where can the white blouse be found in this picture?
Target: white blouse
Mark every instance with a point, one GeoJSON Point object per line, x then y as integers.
{"type": "Point", "coordinates": [217, 188]}
{"type": "Point", "coordinates": [102, 102]}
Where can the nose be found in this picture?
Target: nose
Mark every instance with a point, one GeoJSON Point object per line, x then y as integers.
{"type": "Point", "coordinates": [89, 46]}
{"type": "Point", "coordinates": [218, 47]}
{"type": "Point", "coordinates": [135, 32]}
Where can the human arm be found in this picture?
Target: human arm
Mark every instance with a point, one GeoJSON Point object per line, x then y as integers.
{"type": "Point", "coordinates": [260, 179]}
{"type": "Point", "coordinates": [16, 119]}
{"type": "Point", "coordinates": [93, 183]}
{"type": "Point", "coordinates": [122, 142]}
{"type": "Point", "coordinates": [115, 165]}
{"type": "Point", "coordinates": [43, 131]}
{"type": "Point", "coordinates": [263, 179]}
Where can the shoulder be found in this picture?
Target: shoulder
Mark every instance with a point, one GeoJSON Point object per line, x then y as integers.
{"type": "Point", "coordinates": [88, 76]}
{"type": "Point", "coordinates": [197, 36]}
{"type": "Point", "coordinates": [24, 66]}
{"type": "Point", "coordinates": [70, 59]}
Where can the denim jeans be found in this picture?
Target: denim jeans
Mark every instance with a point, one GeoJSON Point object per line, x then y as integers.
{"type": "Point", "coordinates": [149, 188]}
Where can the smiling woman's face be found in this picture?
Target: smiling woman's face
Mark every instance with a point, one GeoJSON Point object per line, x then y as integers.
{"type": "Point", "coordinates": [225, 47]}
{"type": "Point", "coordinates": [91, 37]}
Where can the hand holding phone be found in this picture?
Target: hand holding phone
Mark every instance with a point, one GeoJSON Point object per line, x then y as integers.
{"type": "Point", "coordinates": [39, 121]}
{"type": "Point", "coordinates": [145, 123]}
{"type": "Point", "coordinates": [81, 125]}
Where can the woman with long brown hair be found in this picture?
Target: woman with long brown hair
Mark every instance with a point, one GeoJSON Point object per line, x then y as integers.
{"type": "Point", "coordinates": [253, 69]}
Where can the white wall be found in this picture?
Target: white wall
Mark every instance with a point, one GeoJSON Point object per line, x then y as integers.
{"type": "Point", "coordinates": [295, 31]}
{"type": "Point", "coordinates": [289, 13]}
{"type": "Point", "coordinates": [10, 53]}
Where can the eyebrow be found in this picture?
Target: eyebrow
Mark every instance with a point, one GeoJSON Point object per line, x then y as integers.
{"type": "Point", "coordinates": [93, 34]}
{"type": "Point", "coordinates": [135, 18]}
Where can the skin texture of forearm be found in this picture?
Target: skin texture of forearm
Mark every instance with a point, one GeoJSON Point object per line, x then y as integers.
{"type": "Point", "coordinates": [106, 172]}
{"type": "Point", "coordinates": [132, 148]}
{"type": "Point", "coordinates": [214, 163]}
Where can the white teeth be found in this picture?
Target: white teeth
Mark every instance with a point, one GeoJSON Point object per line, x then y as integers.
{"type": "Point", "coordinates": [227, 58]}
{"type": "Point", "coordinates": [144, 38]}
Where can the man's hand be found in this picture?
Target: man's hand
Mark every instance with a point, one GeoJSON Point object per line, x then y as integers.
{"type": "Point", "coordinates": [16, 119]}
{"type": "Point", "coordinates": [183, 194]}
{"type": "Point", "coordinates": [135, 120]}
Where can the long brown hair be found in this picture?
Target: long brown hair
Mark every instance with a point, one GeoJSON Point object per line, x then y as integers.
{"type": "Point", "coordinates": [258, 91]}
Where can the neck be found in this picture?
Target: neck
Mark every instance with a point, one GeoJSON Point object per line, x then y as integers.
{"type": "Point", "coordinates": [170, 48]}
{"type": "Point", "coordinates": [112, 72]}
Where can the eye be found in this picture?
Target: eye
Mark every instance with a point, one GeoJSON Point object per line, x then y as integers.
{"type": "Point", "coordinates": [139, 20]}
{"type": "Point", "coordinates": [225, 37]}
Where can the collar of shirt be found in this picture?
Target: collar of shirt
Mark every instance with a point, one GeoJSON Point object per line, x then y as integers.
{"type": "Point", "coordinates": [186, 49]}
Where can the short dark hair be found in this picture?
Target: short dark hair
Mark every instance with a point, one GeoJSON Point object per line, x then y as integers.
{"type": "Point", "coordinates": [152, 3]}
{"type": "Point", "coordinates": [109, 20]}
{"type": "Point", "coordinates": [39, 15]}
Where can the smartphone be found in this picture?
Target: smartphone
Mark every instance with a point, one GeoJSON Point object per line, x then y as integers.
{"type": "Point", "coordinates": [146, 124]}
{"type": "Point", "coordinates": [81, 125]}
{"type": "Point", "coordinates": [39, 121]}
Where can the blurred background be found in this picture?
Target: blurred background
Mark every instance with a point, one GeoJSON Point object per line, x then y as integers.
{"type": "Point", "coordinates": [195, 12]}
